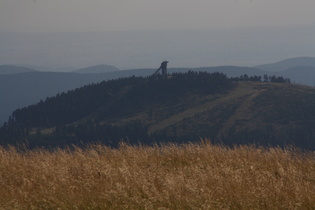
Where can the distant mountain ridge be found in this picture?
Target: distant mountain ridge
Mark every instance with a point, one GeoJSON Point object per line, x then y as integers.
{"type": "Point", "coordinates": [303, 75]}
{"type": "Point", "coordinates": [10, 69]}
{"type": "Point", "coordinates": [287, 64]}
{"type": "Point", "coordinates": [97, 69]}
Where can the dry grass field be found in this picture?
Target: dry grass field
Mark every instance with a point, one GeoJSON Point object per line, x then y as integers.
{"type": "Point", "coordinates": [190, 176]}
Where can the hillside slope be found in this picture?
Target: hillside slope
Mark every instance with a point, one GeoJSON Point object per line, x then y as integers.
{"type": "Point", "coordinates": [185, 107]}
{"type": "Point", "coordinates": [23, 89]}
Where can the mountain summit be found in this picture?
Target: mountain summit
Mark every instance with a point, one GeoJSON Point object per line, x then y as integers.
{"type": "Point", "coordinates": [288, 64]}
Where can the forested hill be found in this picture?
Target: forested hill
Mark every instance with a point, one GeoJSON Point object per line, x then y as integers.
{"type": "Point", "coordinates": [117, 97]}
{"type": "Point", "coordinates": [184, 107]}
{"type": "Point", "coordinates": [102, 103]}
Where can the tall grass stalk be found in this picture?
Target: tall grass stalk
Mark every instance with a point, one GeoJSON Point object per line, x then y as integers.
{"type": "Point", "coordinates": [190, 176]}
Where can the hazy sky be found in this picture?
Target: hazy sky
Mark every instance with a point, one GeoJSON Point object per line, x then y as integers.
{"type": "Point", "coordinates": [112, 15]}
{"type": "Point", "coordinates": [141, 33]}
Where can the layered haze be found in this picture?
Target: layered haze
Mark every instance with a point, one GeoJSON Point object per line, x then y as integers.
{"type": "Point", "coordinates": [146, 49]}
{"type": "Point", "coordinates": [66, 35]}
{"type": "Point", "coordinates": [120, 15]}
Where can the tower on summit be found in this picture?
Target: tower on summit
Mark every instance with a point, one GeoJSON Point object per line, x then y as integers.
{"type": "Point", "coordinates": [163, 67]}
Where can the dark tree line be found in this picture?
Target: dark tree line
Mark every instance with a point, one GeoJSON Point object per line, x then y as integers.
{"type": "Point", "coordinates": [265, 78]}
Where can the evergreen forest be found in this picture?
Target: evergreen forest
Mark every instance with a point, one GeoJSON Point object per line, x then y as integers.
{"type": "Point", "coordinates": [149, 110]}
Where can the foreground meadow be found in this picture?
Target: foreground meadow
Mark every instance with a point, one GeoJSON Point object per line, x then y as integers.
{"type": "Point", "coordinates": [190, 176]}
